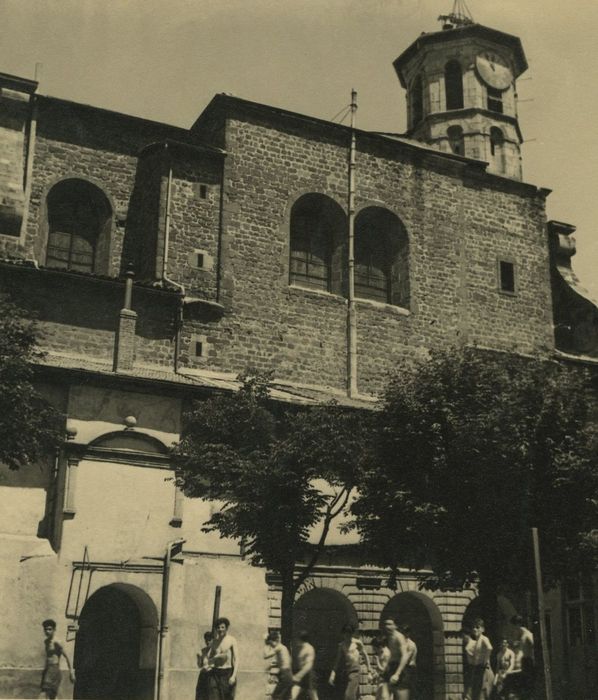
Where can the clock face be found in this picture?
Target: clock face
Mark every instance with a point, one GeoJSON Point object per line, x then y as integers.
{"type": "Point", "coordinates": [493, 70]}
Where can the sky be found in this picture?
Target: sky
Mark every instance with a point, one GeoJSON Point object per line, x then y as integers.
{"type": "Point", "coordinates": [165, 59]}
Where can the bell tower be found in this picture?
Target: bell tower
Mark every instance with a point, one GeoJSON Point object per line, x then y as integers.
{"type": "Point", "coordinates": [461, 93]}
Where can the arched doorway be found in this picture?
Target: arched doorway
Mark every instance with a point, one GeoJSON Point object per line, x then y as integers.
{"type": "Point", "coordinates": [322, 612]}
{"type": "Point", "coordinates": [423, 617]}
{"type": "Point", "coordinates": [115, 649]}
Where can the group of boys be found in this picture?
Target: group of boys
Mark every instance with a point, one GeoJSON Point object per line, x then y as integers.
{"type": "Point", "coordinates": [395, 660]}
{"type": "Point", "coordinates": [395, 665]}
{"type": "Point", "coordinates": [515, 668]}
{"type": "Point", "coordinates": [218, 663]}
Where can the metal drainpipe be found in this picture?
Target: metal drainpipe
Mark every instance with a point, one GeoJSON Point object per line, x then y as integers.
{"type": "Point", "coordinates": [160, 681]}
{"type": "Point", "coordinates": [165, 278]}
{"type": "Point", "coordinates": [28, 169]}
{"type": "Point", "coordinates": [351, 311]}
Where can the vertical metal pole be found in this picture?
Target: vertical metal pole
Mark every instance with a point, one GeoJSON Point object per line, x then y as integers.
{"type": "Point", "coordinates": [541, 612]}
{"type": "Point", "coordinates": [216, 613]}
{"type": "Point", "coordinates": [351, 312]}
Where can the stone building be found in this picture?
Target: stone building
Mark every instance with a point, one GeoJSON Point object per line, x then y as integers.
{"type": "Point", "coordinates": [163, 261]}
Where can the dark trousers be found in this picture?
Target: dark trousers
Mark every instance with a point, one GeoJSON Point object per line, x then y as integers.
{"type": "Point", "coordinates": [282, 691]}
{"type": "Point", "coordinates": [347, 687]}
{"type": "Point", "coordinates": [219, 687]}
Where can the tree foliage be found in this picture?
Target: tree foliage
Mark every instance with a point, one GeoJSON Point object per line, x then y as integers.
{"type": "Point", "coordinates": [276, 472]}
{"type": "Point", "coordinates": [30, 427]}
{"type": "Point", "coordinates": [473, 450]}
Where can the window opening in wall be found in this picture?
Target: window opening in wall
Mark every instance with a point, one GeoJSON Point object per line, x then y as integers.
{"type": "Point", "coordinates": [497, 140]}
{"type": "Point", "coordinates": [417, 101]}
{"type": "Point", "coordinates": [200, 260]}
{"type": "Point", "coordinates": [506, 272]}
{"type": "Point", "coordinates": [381, 257]}
{"type": "Point", "coordinates": [495, 100]}
{"type": "Point", "coordinates": [453, 82]}
{"type": "Point", "coordinates": [198, 348]}
{"type": "Point", "coordinates": [372, 266]}
{"type": "Point", "coordinates": [456, 140]}
{"type": "Point", "coordinates": [580, 605]}
{"type": "Point", "coordinates": [78, 225]}
{"type": "Point", "coordinates": [310, 254]}
{"type": "Point", "coordinates": [203, 191]}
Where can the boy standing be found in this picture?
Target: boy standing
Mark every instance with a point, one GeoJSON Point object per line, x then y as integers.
{"type": "Point", "coordinates": [274, 647]}
{"type": "Point", "coordinates": [305, 678]}
{"type": "Point", "coordinates": [526, 644]}
{"type": "Point", "coordinates": [223, 659]}
{"type": "Point", "coordinates": [345, 673]}
{"type": "Point", "coordinates": [51, 674]}
{"type": "Point", "coordinates": [479, 678]}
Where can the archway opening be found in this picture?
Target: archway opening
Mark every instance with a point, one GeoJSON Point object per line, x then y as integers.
{"type": "Point", "coordinates": [322, 612]}
{"type": "Point", "coordinates": [425, 622]}
{"type": "Point", "coordinates": [115, 649]}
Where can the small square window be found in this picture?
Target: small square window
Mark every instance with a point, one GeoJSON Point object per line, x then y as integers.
{"type": "Point", "coordinates": [203, 191]}
{"type": "Point", "coordinates": [198, 348]}
{"type": "Point", "coordinates": [200, 260]}
{"type": "Point", "coordinates": [506, 276]}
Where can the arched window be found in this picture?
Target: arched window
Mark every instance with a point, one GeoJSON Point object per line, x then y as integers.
{"type": "Point", "coordinates": [417, 101]}
{"type": "Point", "coordinates": [79, 219]}
{"type": "Point", "coordinates": [497, 149]}
{"type": "Point", "coordinates": [453, 85]}
{"type": "Point", "coordinates": [381, 257]}
{"type": "Point", "coordinates": [317, 225]}
{"type": "Point", "coordinates": [456, 140]}
{"type": "Point", "coordinates": [497, 141]}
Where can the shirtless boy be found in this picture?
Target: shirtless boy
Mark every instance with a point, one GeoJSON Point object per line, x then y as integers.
{"type": "Point", "coordinates": [479, 679]}
{"type": "Point", "coordinates": [223, 659]}
{"type": "Point", "coordinates": [526, 644]}
{"type": "Point", "coordinates": [54, 651]}
{"type": "Point", "coordinates": [305, 682]}
{"type": "Point", "coordinates": [397, 645]}
{"type": "Point", "coordinates": [345, 672]}
{"type": "Point", "coordinates": [275, 648]}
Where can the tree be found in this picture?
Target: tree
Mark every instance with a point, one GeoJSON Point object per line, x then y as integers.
{"type": "Point", "coordinates": [30, 427]}
{"type": "Point", "coordinates": [473, 449]}
{"type": "Point", "coordinates": [278, 472]}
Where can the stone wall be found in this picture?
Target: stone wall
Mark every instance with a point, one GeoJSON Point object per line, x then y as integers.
{"type": "Point", "coordinates": [460, 223]}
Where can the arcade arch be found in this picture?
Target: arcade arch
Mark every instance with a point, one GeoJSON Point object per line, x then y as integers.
{"type": "Point", "coordinates": [427, 630]}
{"type": "Point", "coordinates": [322, 612]}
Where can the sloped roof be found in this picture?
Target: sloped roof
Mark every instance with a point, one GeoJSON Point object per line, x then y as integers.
{"type": "Point", "coordinates": [287, 392]}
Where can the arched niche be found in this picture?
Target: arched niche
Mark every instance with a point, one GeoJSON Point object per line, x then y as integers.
{"type": "Point", "coordinates": [453, 85]}
{"type": "Point", "coordinates": [381, 257]}
{"type": "Point", "coordinates": [419, 611]}
{"type": "Point", "coordinates": [79, 226]}
{"type": "Point", "coordinates": [317, 228]}
{"type": "Point", "coordinates": [322, 613]}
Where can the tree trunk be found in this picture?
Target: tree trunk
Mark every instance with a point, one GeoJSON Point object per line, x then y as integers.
{"type": "Point", "coordinates": [286, 608]}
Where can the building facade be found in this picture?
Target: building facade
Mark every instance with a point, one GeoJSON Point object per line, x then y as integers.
{"type": "Point", "coordinates": [161, 262]}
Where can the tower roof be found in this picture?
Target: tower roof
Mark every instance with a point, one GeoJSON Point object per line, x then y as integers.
{"type": "Point", "coordinates": [466, 31]}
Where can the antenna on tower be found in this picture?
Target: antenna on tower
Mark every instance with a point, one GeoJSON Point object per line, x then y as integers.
{"type": "Point", "coordinates": [459, 17]}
